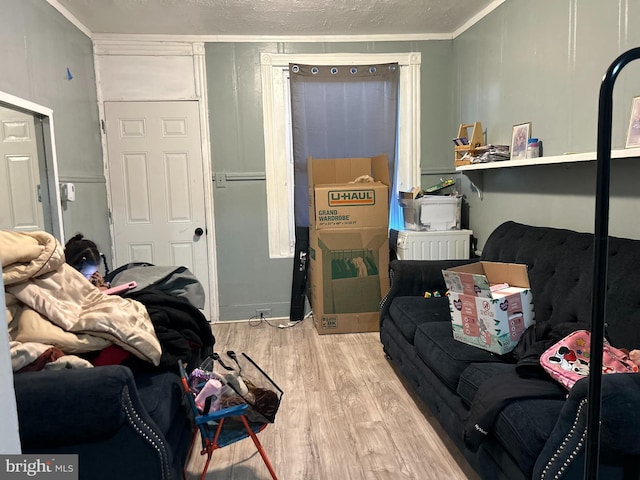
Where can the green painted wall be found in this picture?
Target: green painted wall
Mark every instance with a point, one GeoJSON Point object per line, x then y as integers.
{"type": "Point", "coordinates": [37, 46]}
{"type": "Point", "coordinates": [543, 62]}
{"type": "Point", "coordinates": [248, 279]}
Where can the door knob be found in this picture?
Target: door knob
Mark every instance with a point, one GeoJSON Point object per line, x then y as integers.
{"type": "Point", "coordinates": [198, 232]}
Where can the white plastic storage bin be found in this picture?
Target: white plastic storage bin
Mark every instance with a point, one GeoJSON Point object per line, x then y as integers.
{"type": "Point", "coordinates": [432, 213]}
{"type": "Point", "coordinates": [441, 213]}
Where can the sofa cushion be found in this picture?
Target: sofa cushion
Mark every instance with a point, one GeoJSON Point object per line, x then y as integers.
{"type": "Point", "coordinates": [524, 425]}
{"type": "Point", "coordinates": [163, 398]}
{"type": "Point", "coordinates": [409, 312]}
{"type": "Point", "coordinates": [475, 374]}
{"type": "Point", "coordinates": [444, 355]}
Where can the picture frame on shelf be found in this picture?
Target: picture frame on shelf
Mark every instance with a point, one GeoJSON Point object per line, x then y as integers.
{"type": "Point", "coordinates": [633, 134]}
{"type": "Point", "coordinates": [519, 137]}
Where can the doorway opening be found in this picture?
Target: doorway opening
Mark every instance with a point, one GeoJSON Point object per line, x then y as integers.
{"type": "Point", "coordinates": [29, 175]}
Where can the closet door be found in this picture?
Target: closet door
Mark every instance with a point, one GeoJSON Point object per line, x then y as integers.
{"type": "Point", "coordinates": [157, 184]}
{"type": "Point", "coordinates": [19, 172]}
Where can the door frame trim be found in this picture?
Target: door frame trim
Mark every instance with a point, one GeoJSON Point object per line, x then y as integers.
{"type": "Point", "coordinates": [46, 114]}
{"type": "Point", "coordinates": [196, 51]}
{"type": "Point", "coordinates": [200, 74]}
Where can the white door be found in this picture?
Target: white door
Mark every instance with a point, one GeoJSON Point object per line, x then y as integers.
{"type": "Point", "coordinates": [157, 185]}
{"type": "Point", "coordinates": [19, 175]}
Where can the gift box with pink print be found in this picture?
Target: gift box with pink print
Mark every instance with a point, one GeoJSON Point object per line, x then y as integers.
{"type": "Point", "coordinates": [491, 304]}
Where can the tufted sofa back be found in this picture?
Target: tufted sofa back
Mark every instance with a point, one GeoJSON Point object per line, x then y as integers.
{"type": "Point", "coordinates": [560, 265]}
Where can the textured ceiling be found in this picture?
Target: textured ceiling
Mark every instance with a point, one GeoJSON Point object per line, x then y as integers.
{"type": "Point", "coordinates": [275, 17]}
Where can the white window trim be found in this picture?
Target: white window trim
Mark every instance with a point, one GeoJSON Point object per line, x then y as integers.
{"type": "Point", "coordinates": [277, 138]}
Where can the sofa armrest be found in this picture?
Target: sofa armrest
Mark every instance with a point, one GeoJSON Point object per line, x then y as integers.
{"type": "Point", "coordinates": [415, 277]}
{"type": "Point", "coordinates": [71, 406]}
{"type": "Point", "coordinates": [564, 452]}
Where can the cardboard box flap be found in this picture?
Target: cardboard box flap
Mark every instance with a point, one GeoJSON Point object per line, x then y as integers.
{"type": "Point", "coordinates": [323, 171]}
{"type": "Point", "coordinates": [350, 186]}
{"type": "Point", "coordinates": [410, 195]}
{"type": "Point", "coordinates": [380, 169]}
{"type": "Point", "coordinates": [477, 278]}
{"type": "Point", "coordinates": [514, 274]}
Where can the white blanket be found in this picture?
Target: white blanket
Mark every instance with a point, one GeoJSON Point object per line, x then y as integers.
{"type": "Point", "coordinates": [50, 303]}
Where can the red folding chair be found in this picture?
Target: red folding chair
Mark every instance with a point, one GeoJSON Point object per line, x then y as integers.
{"type": "Point", "coordinates": [222, 428]}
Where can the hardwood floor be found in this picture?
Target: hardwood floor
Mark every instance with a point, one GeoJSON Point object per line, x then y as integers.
{"type": "Point", "coordinates": [345, 414]}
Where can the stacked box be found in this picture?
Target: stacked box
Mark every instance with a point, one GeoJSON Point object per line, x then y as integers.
{"type": "Point", "coordinates": [348, 239]}
{"type": "Point", "coordinates": [491, 304]}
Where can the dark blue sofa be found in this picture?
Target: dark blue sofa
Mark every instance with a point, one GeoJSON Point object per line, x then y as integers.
{"type": "Point", "coordinates": [530, 437]}
{"type": "Point", "coordinates": [121, 426]}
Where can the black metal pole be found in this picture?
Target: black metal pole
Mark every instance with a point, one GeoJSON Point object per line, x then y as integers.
{"type": "Point", "coordinates": [600, 258]}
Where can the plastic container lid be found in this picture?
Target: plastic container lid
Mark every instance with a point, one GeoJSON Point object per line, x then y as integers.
{"type": "Point", "coordinates": [533, 140]}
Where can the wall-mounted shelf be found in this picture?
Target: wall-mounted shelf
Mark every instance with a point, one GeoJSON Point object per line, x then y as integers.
{"type": "Point", "coordinates": [569, 158]}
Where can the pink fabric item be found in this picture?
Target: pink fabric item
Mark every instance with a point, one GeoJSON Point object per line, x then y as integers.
{"type": "Point", "coordinates": [213, 389]}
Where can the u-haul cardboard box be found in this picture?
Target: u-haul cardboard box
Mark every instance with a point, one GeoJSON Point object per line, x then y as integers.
{"type": "Point", "coordinates": [335, 202]}
{"type": "Point", "coordinates": [349, 275]}
{"type": "Point", "coordinates": [491, 319]}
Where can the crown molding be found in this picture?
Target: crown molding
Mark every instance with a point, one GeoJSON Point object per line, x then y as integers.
{"type": "Point", "coordinates": [270, 38]}
{"type": "Point", "coordinates": [124, 46]}
{"type": "Point", "coordinates": [71, 17]}
{"type": "Point", "coordinates": [477, 17]}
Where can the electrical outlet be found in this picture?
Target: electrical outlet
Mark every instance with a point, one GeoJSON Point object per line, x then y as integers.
{"type": "Point", "coordinates": [263, 313]}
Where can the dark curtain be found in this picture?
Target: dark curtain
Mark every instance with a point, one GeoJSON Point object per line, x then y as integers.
{"type": "Point", "coordinates": [337, 112]}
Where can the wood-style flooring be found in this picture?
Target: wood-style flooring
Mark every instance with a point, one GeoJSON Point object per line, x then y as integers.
{"type": "Point", "coordinates": [345, 413]}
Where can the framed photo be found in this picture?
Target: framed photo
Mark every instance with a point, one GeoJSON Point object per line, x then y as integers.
{"type": "Point", "coordinates": [633, 135]}
{"type": "Point", "coordinates": [519, 138]}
